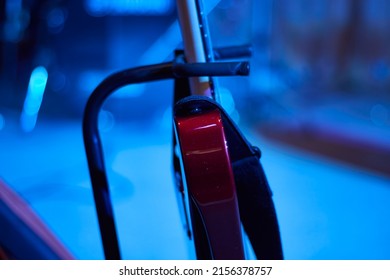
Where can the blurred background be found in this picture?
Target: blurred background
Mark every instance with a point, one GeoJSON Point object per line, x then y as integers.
{"type": "Point", "coordinates": [317, 104]}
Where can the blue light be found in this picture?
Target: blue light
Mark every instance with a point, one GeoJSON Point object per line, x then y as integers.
{"type": "Point", "coordinates": [33, 101]}
{"type": "Point", "coordinates": [128, 7]}
{"type": "Point", "coordinates": [56, 19]}
{"type": "Point", "coordinates": [14, 25]}
{"type": "Point", "coordinates": [2, 122]}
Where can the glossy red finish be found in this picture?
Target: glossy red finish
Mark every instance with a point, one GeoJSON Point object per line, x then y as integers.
{"type": "Point", "coordinates": [210, 181]}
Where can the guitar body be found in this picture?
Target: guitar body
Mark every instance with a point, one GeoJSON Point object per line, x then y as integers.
{"type": "Point", "coordinates": [206, 168]}
{"type": "Point", "coordinates": [209, 168]}
{"type": "Point", "coordinates": [210, 183]}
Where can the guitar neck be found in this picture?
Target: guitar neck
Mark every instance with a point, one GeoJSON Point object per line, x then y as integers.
{"type": "Point", "coordinates": [196, 41]}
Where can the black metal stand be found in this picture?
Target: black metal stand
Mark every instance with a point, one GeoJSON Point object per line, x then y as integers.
{"type": "Point", "coordinates": [176, 70]}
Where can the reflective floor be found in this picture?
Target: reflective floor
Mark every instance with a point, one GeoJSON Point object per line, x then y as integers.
{"type": "Point", "coordinates": [326, 210]}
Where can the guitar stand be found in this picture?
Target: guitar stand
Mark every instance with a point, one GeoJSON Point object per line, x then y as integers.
{"type": "Point", "coordinates": [180, 72]}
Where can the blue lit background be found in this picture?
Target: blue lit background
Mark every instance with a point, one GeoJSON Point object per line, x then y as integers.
{"type": "Point", "coordinates": [317, 104]}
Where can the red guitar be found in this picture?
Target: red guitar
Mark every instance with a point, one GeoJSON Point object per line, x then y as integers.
{"type": "Point", "coordinates": [210, 180]}
{"type": "Point", "coordinates": [210, 146]}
